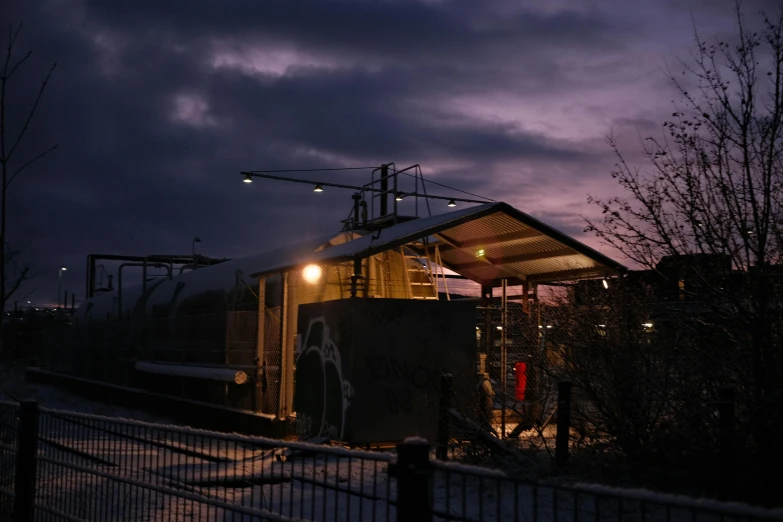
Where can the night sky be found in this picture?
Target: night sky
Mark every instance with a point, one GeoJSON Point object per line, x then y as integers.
{"type": "Point", "coordinates": [157, 106]}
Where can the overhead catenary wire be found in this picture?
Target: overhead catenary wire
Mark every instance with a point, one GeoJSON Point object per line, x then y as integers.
{"type": "Point", "coordinates": [345, 186]}
{"type": "Point", "coordinates": [420, 175]}
{"type": "Point", "coordinates": [310, 170]}
{"type": "Point", "coordinates": [458, 190]}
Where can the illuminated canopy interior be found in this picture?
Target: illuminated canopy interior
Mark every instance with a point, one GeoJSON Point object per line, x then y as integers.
{"type": "Point", "coordinates": [485, 243]}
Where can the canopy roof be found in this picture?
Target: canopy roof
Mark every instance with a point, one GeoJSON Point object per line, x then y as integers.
{"type": "Point", "coordinates": [485, 243]}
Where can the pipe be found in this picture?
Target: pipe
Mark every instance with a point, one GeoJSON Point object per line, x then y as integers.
{"type": "Point", "coordinates": [176, 259]}
{"type": "Point", "coordinates": [119, 282]}
{"type": "Point", "coordinates": [191, 266]}
{"type": "Point", "coordinates": [356, 198]}
{"type": "Point", "coordinates": [173, 259]}
{"type": "Point", "coordinates": [197, 372]}
{"type": "Point", "coordinates": [160, 257]}
{"type": "Point", "coordinates": [356, 276]}
{"type": "Point", "coordinates": [92, 258]}
{"type": "Point", "coordinates": [384, 190]}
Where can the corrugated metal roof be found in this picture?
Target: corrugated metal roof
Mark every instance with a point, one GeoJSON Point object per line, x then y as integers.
{"type": "Point", "coordinates": [486, 227]}
{"type": "Point", "coordinates": [514, 244]}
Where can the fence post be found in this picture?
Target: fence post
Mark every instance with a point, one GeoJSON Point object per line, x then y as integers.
{"type": "Point", "coordinates": [443, 416]}
{"type": "Point", "coordinates": [563, 424]}
{"type": "Point", "coordinates": [26, 449]}
{"type": "Point", "coordinates": [414, 488]}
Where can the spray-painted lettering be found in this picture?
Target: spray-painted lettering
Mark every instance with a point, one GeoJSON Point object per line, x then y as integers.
{"type": "Point", "coordinates": [383, 368]}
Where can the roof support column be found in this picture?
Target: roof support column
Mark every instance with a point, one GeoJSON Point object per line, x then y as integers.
{"type": "Point", "coordinates": [486, 302]}
{"type": "Point", "coordinates": [503, 357]}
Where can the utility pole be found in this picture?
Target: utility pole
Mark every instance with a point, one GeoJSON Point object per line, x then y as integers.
{"type": "Point", "coordinates": [60, 284]}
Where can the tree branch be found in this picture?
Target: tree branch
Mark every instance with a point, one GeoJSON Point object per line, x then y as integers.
{"type": "Point", "coordinates": [20, 169]}
{"type": "Point", "coordinates": [31, 114]}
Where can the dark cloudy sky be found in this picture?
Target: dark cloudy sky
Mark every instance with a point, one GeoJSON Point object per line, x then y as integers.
{"type": "Point", "coordinates": [157, 105]}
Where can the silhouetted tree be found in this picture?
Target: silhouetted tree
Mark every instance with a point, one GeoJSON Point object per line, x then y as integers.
{"type": "Point", "coordinates": [12, 270]}
{"type": "Point", "coordinates": [714, 187]}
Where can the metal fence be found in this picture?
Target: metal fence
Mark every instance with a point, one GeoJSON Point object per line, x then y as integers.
{"type": "Point", "coordinates": [57, 466]}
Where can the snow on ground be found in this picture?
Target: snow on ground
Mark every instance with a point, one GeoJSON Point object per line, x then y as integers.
{"type": "Point", "coordinates": [14, 387]}
{"type": "Point", "coordinates": [105, 469]}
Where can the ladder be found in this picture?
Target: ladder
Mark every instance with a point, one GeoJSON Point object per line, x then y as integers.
{"type": "Point", "coordinates": [419, 279]}
{"type": "Point", "coordinates": [384, 286]}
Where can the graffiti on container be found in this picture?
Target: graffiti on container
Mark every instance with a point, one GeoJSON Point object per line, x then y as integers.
{"type": "Point", "coordinates": [384, 368]}
{"type": "Point", "coordinates": [383, 316]}
{"type": "Point", "coordinates": [401, 381]}
{"type": "Point", "coordinates": [322, 403]}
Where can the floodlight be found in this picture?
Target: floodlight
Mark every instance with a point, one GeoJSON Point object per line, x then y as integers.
{"type": "Point", "coordinates": [312, 273]}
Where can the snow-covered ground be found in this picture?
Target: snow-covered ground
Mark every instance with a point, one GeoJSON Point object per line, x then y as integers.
{"type": "Point", "coordinates": [94, 466]}
{"type": "Point", "coordinates": [14, 387]}
{"type": "Point", "coordinates": [100, 469]}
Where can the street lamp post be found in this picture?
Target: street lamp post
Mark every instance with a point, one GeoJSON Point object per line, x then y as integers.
{"type": "Point", "coordinates": [60, 284]}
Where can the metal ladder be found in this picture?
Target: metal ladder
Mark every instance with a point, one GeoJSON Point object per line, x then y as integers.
{"type": "Point", "coordinates": [419, 278]}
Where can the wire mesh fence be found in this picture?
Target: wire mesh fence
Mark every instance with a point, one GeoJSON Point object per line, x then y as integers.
{"type": "Point", "coordinates": [97, 468]}
{"type": "Point", "coordinates": [469, 493]}
{"type": "Point", "coordinates": [86, 467]}
{"type": "Point", "coordinates": [8, 414]}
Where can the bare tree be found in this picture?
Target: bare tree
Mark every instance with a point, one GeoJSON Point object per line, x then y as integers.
{"type": "Point", "coordinates": [713, 187]}
{"type": "Point", "coordinates": [12, 271]}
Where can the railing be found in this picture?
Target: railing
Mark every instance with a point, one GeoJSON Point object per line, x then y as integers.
{"type": "Point", "coordinates": [57, 465]}
{"type": "Point", "coordinates": [9, 412]}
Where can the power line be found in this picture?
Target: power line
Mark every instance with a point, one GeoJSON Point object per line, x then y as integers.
{"type": "Point", "coordinates": [311, 170]}
{"type": "Point", "coordinates": [353, 187]}
{"type": "Point", "coordinates": [458, 190]}
{"type": "Point", "coordinates": [368, 168]}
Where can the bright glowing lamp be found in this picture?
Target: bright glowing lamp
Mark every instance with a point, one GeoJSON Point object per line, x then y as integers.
{"type": "Point", "coordinates": [248, 178]}
{"type": "Point", "coordinates": [318, 188]}
{"type": "Point", "coordinates": [312, 273]}
{"type": "Point", "coordinates": [606, 283]}
{"type": "Point", "coordinates": [451, 203]}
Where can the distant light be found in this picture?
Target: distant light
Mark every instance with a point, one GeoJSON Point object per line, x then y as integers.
{"type": "Point", "coordinates": [606, 283]}
{"type": "Point", "coordinates": [602, 326]}
{"type": "Point", "coordinates": [399, 196]}
{"type": "Point", "coordinates": [647, 325]}
{"type": "Point", "coordinates": [451, 203]}
{"type": "Point", "coordinates": [499, 327]}
{"type": "Point", "coordinates": [312, 273]}
{"type": "Point", "coordinates": [549, 326]}
{"type": "Point", "coordinates": [248, 178]}
{"type": "Point", "coordinates": [63, 268]}
{"type": "Point", "coordinates": [540, 326]}
{"type": "Point", "coordinates": [28, 302]}
{"type": "Point", "coordinates": [480, 253]}
{"type": "Point", "coordinates": [318, 188]}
